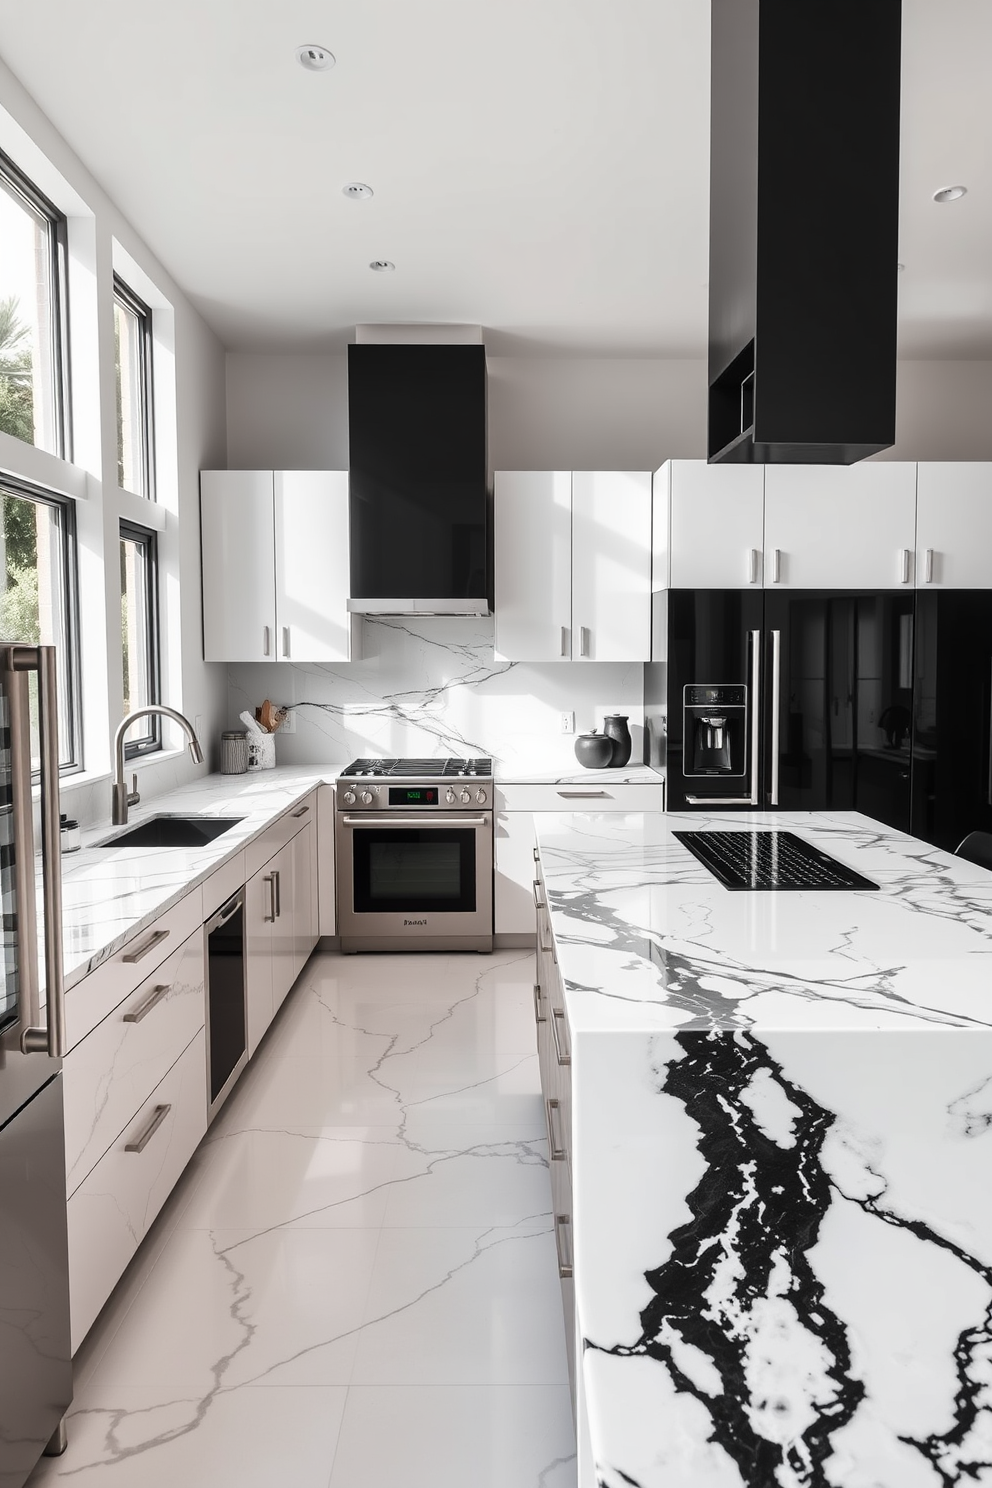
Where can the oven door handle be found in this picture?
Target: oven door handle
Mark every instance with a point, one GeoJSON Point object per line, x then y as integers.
{"type": "Point", "coordinates": [384, 819]}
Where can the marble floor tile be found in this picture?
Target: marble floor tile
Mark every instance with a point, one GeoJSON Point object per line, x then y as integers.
{"type": "Point", "coordinates": [364, 1237]}
{"type": "Point", "coordinates": [464, 1306]}
{"type": "Point", "coordinates": [240, 1440]}
{"type": "Point", "coordinates": [468, 1437]}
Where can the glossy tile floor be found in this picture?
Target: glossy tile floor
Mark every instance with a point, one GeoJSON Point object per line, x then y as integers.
{"type": "Point", "coordinates": [354, 1286]}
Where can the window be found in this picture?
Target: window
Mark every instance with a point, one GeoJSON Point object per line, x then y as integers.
{"type": "Point", "coordinates": [38, 597]}
{"type": "Point", "coordinates": [32, 314]}
{"type": "Point", "coordinates": [133, 353]}
{"type": "Point", "coordinates": [139, 635]}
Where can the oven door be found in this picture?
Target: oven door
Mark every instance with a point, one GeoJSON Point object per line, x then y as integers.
{"type": "Point", "coordinates": [415, 878]}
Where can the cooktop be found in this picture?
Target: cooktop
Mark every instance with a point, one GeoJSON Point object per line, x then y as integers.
{"type": "Point", "coordinates": [769, 860]}
{"type": "Point", "coordinates": [391, 768]}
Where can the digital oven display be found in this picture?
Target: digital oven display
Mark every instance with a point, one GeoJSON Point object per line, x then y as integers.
{"type": "Point", "coordinates": [413, 795]}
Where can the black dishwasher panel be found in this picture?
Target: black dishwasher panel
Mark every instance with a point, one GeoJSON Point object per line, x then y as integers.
{"type": "Point", "coordinates": [227, 1043]}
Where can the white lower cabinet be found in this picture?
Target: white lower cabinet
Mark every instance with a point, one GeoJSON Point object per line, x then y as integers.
{"type": "Point", "coordinates": [111, 1210]}
{"type": "Point", "coordinates": [280, 927]}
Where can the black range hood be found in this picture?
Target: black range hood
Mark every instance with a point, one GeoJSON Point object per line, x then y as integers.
{"type": "Point", "coordinates": [418, 470]}
{"type": "Point", "coordinates": [804, 210]}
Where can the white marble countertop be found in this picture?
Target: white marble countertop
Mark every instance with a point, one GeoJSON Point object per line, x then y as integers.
{"type": "Point", "coordinates": [631, 774]}
{"type": "Point", "coordinates": [109, 895]}
{"type": "Point", "coordinates": [782, 1243]}
{"type": "Point", "coordinates": [648, 938]}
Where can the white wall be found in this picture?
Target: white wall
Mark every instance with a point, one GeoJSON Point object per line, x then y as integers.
{"type": "Point", "coordinates": [291, 412]}
{"type": "Point", "coordinates": [197, 376]}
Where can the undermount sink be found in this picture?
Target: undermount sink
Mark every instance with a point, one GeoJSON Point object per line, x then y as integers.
{"type": "Point", "coordinates": [173, 831]}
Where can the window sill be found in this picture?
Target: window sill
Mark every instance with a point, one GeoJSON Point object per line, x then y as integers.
{"type": "Point", "coordinates": [135, 766]}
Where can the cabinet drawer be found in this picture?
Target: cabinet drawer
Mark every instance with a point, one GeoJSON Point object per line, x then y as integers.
{"type": "Point", "coordinates": [595, 796]}
{"type": "Point", "coordinates": [89, 1001]}
{"type": "Point", "coordinates": [220, 886]}
{"type": "Point", "coordinates": [112, 1072]}
{"type": "Point", "coordinates": [282, 830]}
{"type": "Point", "coordinates": [112, 1209]}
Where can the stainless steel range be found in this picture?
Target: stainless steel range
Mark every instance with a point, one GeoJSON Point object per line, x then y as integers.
{"type": "Point", "coordinates": [414, 841]}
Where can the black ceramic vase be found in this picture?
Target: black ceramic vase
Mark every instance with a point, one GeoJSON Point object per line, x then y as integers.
{"type": "Point", "coordinates": [615, 728]}
{"type": "Point", "coordinates": [595, 751]}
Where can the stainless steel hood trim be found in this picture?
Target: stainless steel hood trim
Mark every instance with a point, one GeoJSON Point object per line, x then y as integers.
{"type": "Point", "coordinates": [419, 607]}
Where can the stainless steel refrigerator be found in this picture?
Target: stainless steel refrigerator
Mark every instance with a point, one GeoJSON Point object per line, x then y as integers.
{"type": "Point", "coordinates": [35, 1356]}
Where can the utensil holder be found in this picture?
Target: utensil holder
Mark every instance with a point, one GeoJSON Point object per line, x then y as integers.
{"type": "Point", "coordinates": [261, 752]}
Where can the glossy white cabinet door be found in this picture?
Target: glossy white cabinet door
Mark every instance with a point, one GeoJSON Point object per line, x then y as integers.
{"type": "Point", "coordinates": [326, 889]}
{"type": "Point", "coordinates": [533, 565]}
{"type": "Point", "coordinates": [840, 526]}
{"type": "Point", "coordinates": [611, 565]}
{"type": "Point", "coordinates": [716, 524]}
{"type": "Point", "coordinates": [312, 565]}
{"type": "Point", "coordinates": [239, 590]}
{"type": "Point", "coordinates": [285, 929]}
{"type": "Point", "coordinates": [954, 525]}
{"type": "Point", "coordinates": [259, 926]}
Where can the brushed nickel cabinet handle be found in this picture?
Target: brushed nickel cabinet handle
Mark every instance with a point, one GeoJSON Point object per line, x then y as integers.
{"type": "Point", "coordinates": [562, 1051]}
{"type": "Point", "coordinates": [776, 565]}
{"type": "Point", "coordinates": [566, 1264]}
{"type": "Point", "coordinates": [302, 811]}
{"type": "Point", "coordinates": [266, 640]}
{"type": "Point", "coordinates": [135, 1015]}
{"type": "Point", "coordinates": [140, 1143]}
{"type": "Point", "coordinates": [285, 640]}
{"type": "Point", "coordinates": [928, 566]}
{"type": "Point", "coordinates": [904, 565]}
{"type": "Point", "coordinates": [557, 1153]}
{"type": "Point", "coordinates": [156, 938]}
{"type": "Point", "coordinates": [584, 795]}
{"type": "Point", "coordinates": [564, 640]}
{"type": "Point", "coordinates": [539, 903]}
{"type": "Point", "coordinates": [539, 1017]}
{"type": "Point", "coordinates": [277, 875]}
{"type": "Point", "coordinates": [752, 565]}
{"type": "Point", "coordinates": [270, 879]}
{"type": "Point", "coordinates": [585, 640]}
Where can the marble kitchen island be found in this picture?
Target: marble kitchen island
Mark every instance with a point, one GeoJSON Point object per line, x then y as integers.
{"type": "Point", "coordinates": [781, 1159]}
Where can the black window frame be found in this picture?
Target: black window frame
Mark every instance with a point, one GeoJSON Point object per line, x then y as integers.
{"type": "Point", "coordinates": [69, 685]}
{"type": "Point", "coordinates": [58, 270]}
{"type": "Point", "coordinates": [125, 296]}
{"type": "Point", "coordinates": [151, 740]}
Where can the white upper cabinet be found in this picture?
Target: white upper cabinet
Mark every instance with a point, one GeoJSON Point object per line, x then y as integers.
{"type": "Point", "coordinates": [237, 533]}
{"type": "Point", "coordinates": [275, 548]}
{"type": "Point", "coordinates": [312, 565]}
{"type": "Point", "coordinates": [954, 526]}
{"type": "Point", "coordinates": [708, 525]}
{"type": "Point", "coordinates": [533, 564]}
{"type": "Point", "coordinates": [840, 526]}
{"type": "Point", "coordinates": [611, 564]}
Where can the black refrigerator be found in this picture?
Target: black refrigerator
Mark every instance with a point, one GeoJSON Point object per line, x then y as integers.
{"type": "Point", "coordinates": [798, 699]}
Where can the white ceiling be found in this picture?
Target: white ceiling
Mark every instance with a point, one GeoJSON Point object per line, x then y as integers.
{"type": "Point", "coordinates": [539, 166]}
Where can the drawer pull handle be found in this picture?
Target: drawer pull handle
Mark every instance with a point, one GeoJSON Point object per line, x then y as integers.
{"type": "Point", "coordinates": [558, 1154]}
{"type": "Point", "coordinates": [584, 795]}
{"type": "Point", "coordinates": [135, 1015]}
{"type": "Point", "coordinates": [561, 1050]}
{"type": "Point", "coordinates": [537, 855]}
{"type": "Point", "coordinates": [538, 1015]}
{"type": "Point", "coordinates": [230, 909]}
{"type": "Point", "coordinates": [158, 1116]}
{"type": "Point", "coordinates": [270, 879]}
{"type": "Point", "coordinates": [565, 1264]}
{"type": "Point", "coordinates": [538, 901]}
{"type": "Point", "coordinates": [302, 811]}
{"type": "Point", "coordinates": [156, 938]}
{"type": "Point", "coordinates": [277, 875]}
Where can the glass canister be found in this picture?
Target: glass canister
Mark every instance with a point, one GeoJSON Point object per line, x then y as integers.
{"type": "Point", "coordinates": [233, 752]}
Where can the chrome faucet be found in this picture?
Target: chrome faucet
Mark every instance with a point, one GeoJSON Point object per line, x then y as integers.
{"type": "Point", "coordinates": [122, 797]}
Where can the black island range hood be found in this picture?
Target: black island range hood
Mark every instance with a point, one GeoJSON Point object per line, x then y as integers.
{"type": "Point", "coordinates": [418, 471]}
{"type": "Point", "coordinates": [804, 212]}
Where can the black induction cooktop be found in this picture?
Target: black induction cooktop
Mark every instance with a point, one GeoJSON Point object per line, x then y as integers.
{"type": "Point", "coordinates": [769, 860]}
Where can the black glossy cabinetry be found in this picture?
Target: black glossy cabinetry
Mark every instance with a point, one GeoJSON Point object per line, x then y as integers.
{"type": "Point", "coordinates": [418, 472]}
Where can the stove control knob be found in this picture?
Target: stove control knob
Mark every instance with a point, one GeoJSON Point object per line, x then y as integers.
{"type": "Point", "coordinates": [450, 796]}
{"type": "Point", "coordinates": [367, 798]}
{"type": "Point", "coordinates": [349, 798]}
{"type": "Point", "coordinates": [480, 796]}
{"type": "Point", "coordinates": [465, 797]}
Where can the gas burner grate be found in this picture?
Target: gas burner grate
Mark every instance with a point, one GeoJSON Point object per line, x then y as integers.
{"type": "Point", "coordinates": [430, 768]}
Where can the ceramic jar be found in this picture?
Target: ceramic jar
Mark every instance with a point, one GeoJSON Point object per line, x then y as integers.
{"type": "Point", "coordinates": [595, 751]}
{"type": "Point", "coordinates": [615, 728]}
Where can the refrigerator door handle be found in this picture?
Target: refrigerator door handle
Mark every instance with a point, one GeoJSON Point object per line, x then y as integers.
{"type": "Point", "coordinates": [755, 639]}
{"type": "Point", "coordinates": [49, 1039]}
{"type": "Point", "coordinates": [989, 776]}
{"type": "Point", "coordinates": [776, 640]}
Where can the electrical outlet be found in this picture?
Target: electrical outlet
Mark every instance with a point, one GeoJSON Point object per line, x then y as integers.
{"type": "Point", "coordinates": [288, 725]}
{"type": "Point", "coordinates": [568, 723]}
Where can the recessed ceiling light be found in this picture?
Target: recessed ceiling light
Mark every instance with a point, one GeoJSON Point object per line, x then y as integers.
{"type": "Point", "coordinates": [357, 191]}
{"type": "Point", "coordinates": [950, 193]}
{"type": "Point", "coordinates": [382, 265]}
{"type": "Point", "coordinates": [315, 58]}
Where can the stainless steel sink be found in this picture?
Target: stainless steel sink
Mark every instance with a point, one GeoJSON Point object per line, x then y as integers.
{"type": "Point", "coordinates": [173, 831]}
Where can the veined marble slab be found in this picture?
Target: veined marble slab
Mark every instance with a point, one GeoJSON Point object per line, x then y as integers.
{"type": "Point", "coordinates": [781, 1160]}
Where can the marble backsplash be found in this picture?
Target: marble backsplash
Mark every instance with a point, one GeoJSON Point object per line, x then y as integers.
{"type": "Point", "coordinates": [433, 687]}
